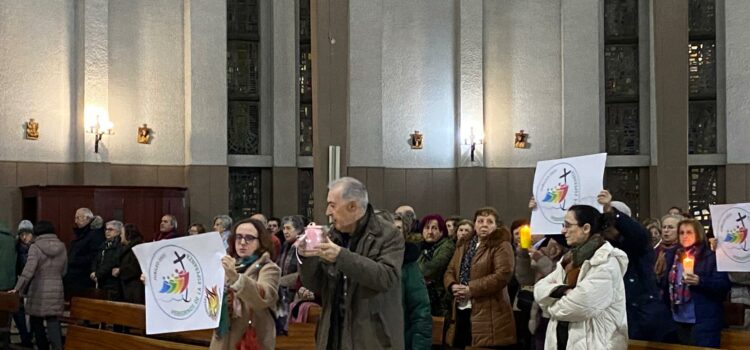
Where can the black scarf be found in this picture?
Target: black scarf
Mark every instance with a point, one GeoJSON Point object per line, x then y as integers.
{"type": "Point", "coordinates": [464, 274]}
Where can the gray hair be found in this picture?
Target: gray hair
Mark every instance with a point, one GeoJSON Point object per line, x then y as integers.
{"type": "Point", "coordinates": [672, 216]}
{"type": "Point", "coordinates": [351, 190]}
{"type": "Point", "coordinates": [226, 221]}
{"type": "Point", "coordinates": [173, 220]}
{"type": "Point", "coordinates": [25, 226]}
{"type": "Point", "coordinates": [117, 224]}
{"type": "Point", "coordinates": [295, 220]}
{"type": "Point", "coordinates": [86, 213]}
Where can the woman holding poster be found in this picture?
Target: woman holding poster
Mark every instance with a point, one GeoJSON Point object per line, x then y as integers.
{"type": "Point", "coordinates": [585, 295]}
{"type": "Point", "coordinates": [251, 282]}
{"type": "Point", "coordinates": [694, 288]}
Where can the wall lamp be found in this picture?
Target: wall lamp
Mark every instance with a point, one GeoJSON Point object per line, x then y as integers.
{"type": "Point", "coordinates": [100, 126]}
{"type": "Point", "coordinates": [473, 141]}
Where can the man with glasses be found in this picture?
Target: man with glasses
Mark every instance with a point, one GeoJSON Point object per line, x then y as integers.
{"type": "Point", "coordinates": [105, 267]}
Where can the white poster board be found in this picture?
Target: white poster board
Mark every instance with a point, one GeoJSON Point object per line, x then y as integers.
{"type": "Point", "coordinates": [184, 282]}
{"type": "Point", "coordinates": [559, 184]}
{"type": "Point", "coordinates": [730, 224]}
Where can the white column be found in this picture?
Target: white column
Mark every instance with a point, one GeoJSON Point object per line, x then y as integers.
{"type": "Point", "coordinates": [205, 37]}
{"type": "Point", "coordinates": [285, 85]}
{"type": "Point", "coordinates": [582, 69]}
{"type": "Point", "coordinates": [737, 58]}
{"type": "Point", "coordinates": [470, 84]}
{"type": "Point", "coordinates": [92, 22]}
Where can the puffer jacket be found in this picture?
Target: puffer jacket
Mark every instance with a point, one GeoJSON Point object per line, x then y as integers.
{"type": "Point", "coordinates": [492, 321]}
{"type": "Point", "coordinates": [416, 302]}
{"type": "Point", "coordinates": [595, 308]}
{"type": "Point", "coordinates": [43, 273]}
{"type": "Point", "coordinates": [433, 263]}
{"type": "Point", "coordinates": [7, 260]}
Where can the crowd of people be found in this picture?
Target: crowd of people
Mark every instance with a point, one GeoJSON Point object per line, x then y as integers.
{"type": "Point", "coordinates": [604, 279]}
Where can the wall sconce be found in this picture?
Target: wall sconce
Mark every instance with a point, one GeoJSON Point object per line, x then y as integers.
{"type": "Point", "coordinates": [144, 134]}
{"type": "Point", "coordinates": [32, 129]}
{"type": "Point", "coordinates": [416, 140]}
{"type": "Point", "coordinates": [102, 125]}
{"type": "Point", "coordinates": [473, 141]}
{"type": "Point", "coordinates": [520, 140]}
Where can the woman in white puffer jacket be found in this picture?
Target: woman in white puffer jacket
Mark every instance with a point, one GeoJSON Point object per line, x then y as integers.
{"type": "Point", "coordinates": [585, 295]}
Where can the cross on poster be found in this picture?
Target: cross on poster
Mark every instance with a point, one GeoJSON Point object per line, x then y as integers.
{"type": "Point", "coordinates": [561, 183]}
{"type": "Point", "coordinates": [730, 223]}
{"type": "Point", "coordinates": [184, 282]}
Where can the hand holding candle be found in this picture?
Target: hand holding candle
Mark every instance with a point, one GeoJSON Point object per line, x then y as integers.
{"type": "Point", "coordinates": [524, 234]}
{"type": "Point", "coordinates": [687, 264]}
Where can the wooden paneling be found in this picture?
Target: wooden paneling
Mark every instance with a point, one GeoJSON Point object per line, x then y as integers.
{"type": "Point", "coordinates": [142, 206]}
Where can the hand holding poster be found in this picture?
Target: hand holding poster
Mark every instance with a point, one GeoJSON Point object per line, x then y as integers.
{"type": "Point", "coordinates": [730, 225]}
{"type": "Point", "coordinates": [184, 282]}
{"type": "Point", "coordinates": [560, 184]}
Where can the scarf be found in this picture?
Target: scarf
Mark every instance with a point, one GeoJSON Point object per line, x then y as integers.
{"type": "Point", "coordinates": [230, 298]}
{"type": "Point", "coordinates": [577, 256]}
{"type": "Point", "coordinates": [679, 292]}
{"type": "Point", "coordinates": [464, 274]}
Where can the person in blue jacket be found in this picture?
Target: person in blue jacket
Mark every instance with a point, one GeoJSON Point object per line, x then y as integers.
{"type": "Point", "coordinates": [696, 298]}
{"type": "Point", "coordinates": [648, 316]}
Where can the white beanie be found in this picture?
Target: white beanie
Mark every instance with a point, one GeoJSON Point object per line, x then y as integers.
{"type": "Point", "coordinates": [622, 207]}
{"type": "Point", "coordinates": [26, 226]}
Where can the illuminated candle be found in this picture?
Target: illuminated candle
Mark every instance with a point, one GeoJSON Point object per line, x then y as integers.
{"type": "Point", "coordinates": [525, 235]}
{"type": "Point", "coordinates": [687, 265]}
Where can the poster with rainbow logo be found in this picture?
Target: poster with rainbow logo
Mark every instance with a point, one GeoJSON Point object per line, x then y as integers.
{"type": "Point", "coordinates": [562, 183]}
{"type": "Point", "coordinates": [730, 223]}
{"type": "Point", "coordinates": [184, 282]}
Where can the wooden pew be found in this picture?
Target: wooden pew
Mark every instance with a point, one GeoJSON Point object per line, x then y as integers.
{"type": "Point", "coordinates": [437, 330]}
{"type": "Point", "coordinates": [301, 337]}
{"type": "Point", "coordinates": [129, 315]}
{"type": "Point", "coordinates": [735, 339]}
{"type": "Point", "coordinates": [649, 345]}
{"type": "Point", "coordinates": [9, 302]}
{"type": "Point", "coordinates": [82, 338]}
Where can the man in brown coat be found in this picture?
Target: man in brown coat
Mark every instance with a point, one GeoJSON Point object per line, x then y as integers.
{"type": "Point", "coordinates": [357, 273]}
{"type": "Point", "coordinates": [43, 275]}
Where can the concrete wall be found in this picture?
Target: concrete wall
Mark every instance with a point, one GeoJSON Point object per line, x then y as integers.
{"type": "Point", "coordinates": [37, 77]}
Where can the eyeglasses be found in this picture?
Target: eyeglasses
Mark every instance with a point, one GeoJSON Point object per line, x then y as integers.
{"type": "Point", "coordinates": [245, 238]}
{"type": "Point", "coordinates": [566, 225]}
{"type": "Point", "coordinates": [110, 229]}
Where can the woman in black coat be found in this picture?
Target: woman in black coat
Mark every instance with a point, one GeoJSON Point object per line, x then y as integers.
{"type": "Point", "coordinates": [129, 270]}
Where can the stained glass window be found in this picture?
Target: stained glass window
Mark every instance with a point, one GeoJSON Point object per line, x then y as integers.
{"type": "Point", "coordinates": [625, 186]}
{"type": "Point", "coordinates": [244, 192]}
{"type": "Point", "coordinates": [702, 130]}
{"type": "Point", "coordinates": [243, 80]}
{"type": "Point", "coordinates": [621, 77]}
{"type": "Point", "coordinates": [305, 81]}
{"type": "Point", "coordinates": [306, 192]}
{"type": "Point", "coordinates": [704, 190]}
{"type": "Point", "coordinates": [702, 122]}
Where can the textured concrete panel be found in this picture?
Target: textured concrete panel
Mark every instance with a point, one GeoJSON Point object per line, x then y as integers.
{"type": "Point", "coordinates": [376, 186]}
{"type": "Point", "coordinates": [171, 176]}
{"type": "Point", "coordinates": [146, 81]}
{"type": "Point", "coordinates": [737, 62]}
{"type": "Point", "coordinates": [134, 175]}
{"type": "Point", "coordinates": [285, 192]}
{"type": "Point", "coordinates": [285, 86]}
{"type": "Point", "coordinates": [395, 188]}
{"type": "Point", "coordinates": [60, 174]}
{"type": "Point", "coordinates": [419, 82]}
{"type": "Point", "coordinates": [522, 76]}
{"type": "Point", "coordinates": [36, 73]}
{"type": "Point", "coordinates": [498, 193]}
{"type": "Point", "coordinates": [419, 191]}
{"type": "Point", "coordinates": [366, 82]}
{"type": "Point", "coordinates": [443, 194]}
{"type": "Point", "coordinates": [472, 190]}
{"type": "Point", "coordinates": [31, 174]}
{"type": "Point", "coordinates": [8, 171]}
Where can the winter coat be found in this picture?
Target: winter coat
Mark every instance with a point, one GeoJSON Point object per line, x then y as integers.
{"type": "Point", "coordinates": [7, 261]}
{"type": "Point", "coordinates": [433, 268]}
{"type": "Point", "coordinates": [43, 274]}
{"type": "Point", "coordinates": [708, 296]}
{"type": "Point", "coordinates": [107, 259]}
{"type": "Point", "coordinates": [648, 316]}
{"type": "Point", "coordinates": [83, 251]}
{"type": "Point", "coordinates": [373, 317]}
{"type": "Point", "coordinates": [22, 254]}
{"type": "Point", "coordinates": [595, 308]}
{"type": "Point", "coordinates": [256, 291]}
{"type": "Point", "coordinates": [416, 302]}
{"type": "Point", "coordinates": [133, 290]}
{"type": "Point", "coordinates": [492, 321]}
